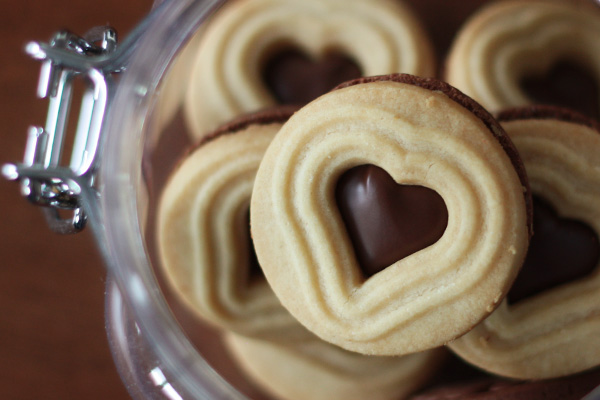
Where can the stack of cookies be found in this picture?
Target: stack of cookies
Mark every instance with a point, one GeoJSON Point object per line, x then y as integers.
{"type": "Point", "coordinates": [361, 221]}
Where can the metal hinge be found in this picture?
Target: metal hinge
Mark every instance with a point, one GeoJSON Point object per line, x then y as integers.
{"type": "Point", "coordinates": [94, 58]}
{"type": "Point", "coordinates": [45, 179]}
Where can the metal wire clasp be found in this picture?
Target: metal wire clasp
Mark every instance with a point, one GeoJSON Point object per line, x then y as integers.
{"type": "Point", "coordinates": [45, 179]}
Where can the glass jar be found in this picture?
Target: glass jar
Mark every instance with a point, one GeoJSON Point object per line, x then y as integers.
{"type": "Point", "coordinates": [160, 352]}
{"type": "Point", "coordinates": [155, 357]}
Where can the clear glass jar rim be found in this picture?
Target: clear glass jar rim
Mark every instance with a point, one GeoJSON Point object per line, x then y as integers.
{"type": "Point", "coordinates": [117, 224]}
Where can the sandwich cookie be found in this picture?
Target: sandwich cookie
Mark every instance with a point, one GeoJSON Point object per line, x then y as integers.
{"type": "Point", "coordinates": [449, 157]}
{"type": "Point", "coordinates": [317, 370]}
{"type": "Point", "coordinates": [258, 53]}
{"type": "Point", "coordinates": [514, 53]}
{"type": "Point", "coordinates": [549, 324]}
{"type": "Point", "coordinates": [203, 236]}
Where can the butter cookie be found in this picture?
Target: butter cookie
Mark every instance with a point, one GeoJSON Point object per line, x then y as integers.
{"type": "Point", "coordinates": [426, 136]}
{"type": "Point", "coordinates": [549, 324]}
{"type": "Point", "coordinates": [259, 53]}
{"type": "Point", "coordinates": [515, 53]}
{"type": "Point", "coordinates": [205, 250]}
{"type": "Point", "coordinates": [317, 370]}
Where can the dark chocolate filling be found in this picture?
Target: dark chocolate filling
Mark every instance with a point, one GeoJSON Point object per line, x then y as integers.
{"type": "Point", "coordinates": [255, 272]}
{"type": "Point", "coordinates": [473, 107]}
{"type": "Point", "coordinates": [294, 78]}
{"type": "Point", "coordinates": [387, 221]}
{"type": "Point", "coordinates": [561, 250]}
{"type": "Point", "coordinates": [566, 85]}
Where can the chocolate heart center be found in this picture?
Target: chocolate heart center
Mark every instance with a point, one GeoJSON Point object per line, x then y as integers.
{"type": "Point", "coordinates": [294, 78]}
{"type": "Point", "coordinates": [561, 250]}
{"type": "Point", "coordinates": [565, 85]}
{"type": "Point", "coordinates": [387, 221]}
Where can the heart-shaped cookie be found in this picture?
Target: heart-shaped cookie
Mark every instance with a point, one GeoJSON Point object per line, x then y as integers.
{"type": "Point", "coordinates": [379, 36]}
{"type": "Point", "coordinates": [502, 54]}
{"type": "Point", "coordinates": [554, 330]}
{"type": "Point", "coordinates": [203, 236]}
{"type": "Point", "coordinates": [284, 370]}
{"type": "Point", "coordinates": [422, 132]}
{"type": "Point", "coordinates": [387, 221]}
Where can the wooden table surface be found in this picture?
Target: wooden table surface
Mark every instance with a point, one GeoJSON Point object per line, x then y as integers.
{"type": "Point", "coordinates": [52, 339]}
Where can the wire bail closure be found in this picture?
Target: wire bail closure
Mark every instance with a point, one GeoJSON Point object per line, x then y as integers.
{"type": "Point", "coordinates": [44, 180]}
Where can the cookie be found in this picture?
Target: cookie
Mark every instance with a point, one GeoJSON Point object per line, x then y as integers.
{"type": "Point", "coordinates": [571, 388]}
{"type": "Point", "coordinates": [203, 235]}
{"type": "Point", "coordinates": [514, 53]}
{"type": "Point", "coordinates": [422, 133]}
{"type": "Point", "coordinates": [258, 53]}
{"type": "Point", "coordinates": [549, 324]}
{"type": "Point", "coordinates": [318, 370]}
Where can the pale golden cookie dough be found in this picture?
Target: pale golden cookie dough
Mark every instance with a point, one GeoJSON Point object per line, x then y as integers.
{"type": "Point", "coordinates": [508, 40]}
{"type": "Point", "coordinates": [203, 237]}
{"type": "Point", "coordinates": [556, 332]}
{"type": "Point", "coordinates": [420, 136]}
{"type": "Point", "coordinates": [317, 370]}
{"type": "Point", "coordinates": [381, 36]}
